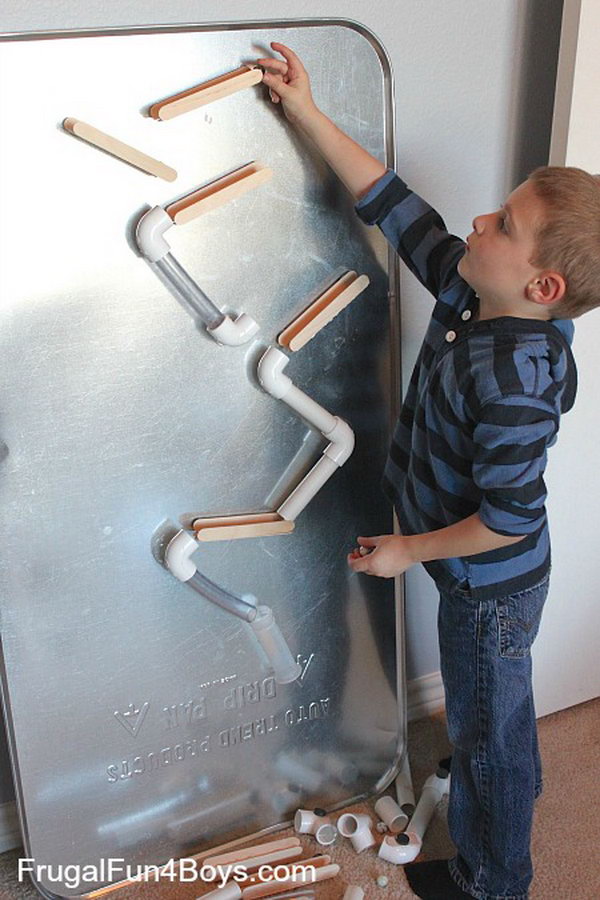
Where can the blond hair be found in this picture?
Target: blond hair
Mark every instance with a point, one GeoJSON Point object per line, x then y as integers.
{"type": "Point", "coordinates": [569, 238]}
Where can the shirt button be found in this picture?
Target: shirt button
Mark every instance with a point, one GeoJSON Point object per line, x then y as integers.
{"type": "Point", "coordinates": [450, 336]}
{"type": "Point", "coordinates": [466, 315]}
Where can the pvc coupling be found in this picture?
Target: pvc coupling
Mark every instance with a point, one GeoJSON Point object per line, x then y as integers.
{"type": "Point", "coordinates": [389, 812]}
{"type": "Point", "coordinates": [401, 849]}
{"type": "Point", "coordinates": [317, 823]}
{"type": "Point", "coordinates": [358, 829]}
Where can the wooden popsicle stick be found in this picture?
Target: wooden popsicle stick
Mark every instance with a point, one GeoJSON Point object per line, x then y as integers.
{"type": "Point", "coordinates": [267, 859]}
{"type": "Point", "coordinates": [318, 862]}
{"type": "Point", "coordinates": [207, 92]}
{"type": "Point", "coordinates": [119, 149]}
{"type": "Point", "coordinates": [256, 891]}
{"type": "Point", "coordinates": [247, 852]}
{"type": "Point", "coordinates": [218, 192]}
{"type": "Point", "coordinates": [227, 528]}
{"type": "Point", "coordinates": [322, 310]}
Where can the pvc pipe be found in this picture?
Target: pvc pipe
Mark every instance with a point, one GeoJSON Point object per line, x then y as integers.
{"type": "Point", "coordinates": [274, 644]}
{"type": "Point", "coordinates": [433, 790]}
{"type": "Point", "coordinates": [244, 607]}
{"type": "Point", "coordinates": [150, 238]}
{"type": "Point", "coordinates": [353, 892]}
{"type": "Point", "coordinates": [260, 618]}
{"type": "Point", "coordinates": [339, 433]}
{"type": "Point", "coordinates": [186, 288]}
{"type": "Point", "coordinates": [389, 812]}
{"type": "Point", "coordinates": [358, 829]}
{"type": "Point", "coordinates": [404, 788]}
{"type": "Point", "coordinates": [178, 561]}
{"type": "Point", "coordinates": [150, 231]}
{"type": "Point", "coordinates": [404, 848]}
{"type": "Point", "coordinates": [310, 485]}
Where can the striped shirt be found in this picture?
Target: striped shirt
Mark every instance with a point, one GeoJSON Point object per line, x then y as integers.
{"type": "Point", "coordinates": [482, 407]}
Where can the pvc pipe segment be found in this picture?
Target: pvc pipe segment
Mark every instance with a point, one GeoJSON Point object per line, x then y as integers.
{"type": "Point", "coordinates": [404, 788]}
{"type": "Point", "coordinates": [260, 618]}
{"type": "Point", "coordinates": [404, 848]}
{"type": "Point", "coordinates": [389, 812]}
{"type": "Point", "coordinates": [336, 430]}
{"type": "Point", "coordinates": [150, 237]}
{"type": "Point", "coordinates": [358, 829]}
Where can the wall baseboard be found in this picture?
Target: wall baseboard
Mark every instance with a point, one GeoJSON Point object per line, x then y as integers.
{"type": "Point", "coordinates": [425, 696]}
{"type": "Point", "coordinates": [10, 832]}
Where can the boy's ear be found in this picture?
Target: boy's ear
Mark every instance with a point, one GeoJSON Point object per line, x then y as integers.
{"type": "Point", "coordinates": [547, 288]}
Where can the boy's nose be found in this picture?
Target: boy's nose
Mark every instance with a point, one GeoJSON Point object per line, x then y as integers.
{"type": "Point", "coordinates": [478, 224]}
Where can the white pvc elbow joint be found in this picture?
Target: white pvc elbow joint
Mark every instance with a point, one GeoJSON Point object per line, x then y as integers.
{"type": "Point", "coordinates": [178, 553]}
{"type": "Point", "coordinates": [402, 849]}
{"type": "Point", "coordinates": [270, 373]}
{"type": "Point", "coordinates": [234, 332]}
{"type": "Point", "coordinates": [150, 232]}
{"type": "Point", "coordinates": [358, 829]}
{"type": "Point", "coordinates": [342, 442]}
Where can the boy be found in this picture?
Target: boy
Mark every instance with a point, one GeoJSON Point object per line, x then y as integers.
{"type": "Point", "coordinates": [465, 470]}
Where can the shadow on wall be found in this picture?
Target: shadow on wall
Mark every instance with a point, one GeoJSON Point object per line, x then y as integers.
{"type": "Point", "coordinates": [7, 791]}
{"type": "Point", "coordinates": [541, 42]}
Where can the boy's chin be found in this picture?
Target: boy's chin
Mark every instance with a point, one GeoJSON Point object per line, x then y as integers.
{"type": "Point", "coordinates": [460, 268]}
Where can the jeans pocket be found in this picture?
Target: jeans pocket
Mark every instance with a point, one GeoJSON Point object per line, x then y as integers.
{"type": "Point", "coordinates": [519, 618]}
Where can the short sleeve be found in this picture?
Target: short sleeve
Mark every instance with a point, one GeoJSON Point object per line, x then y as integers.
{"type": "Point", "coordinates": [511, 441]}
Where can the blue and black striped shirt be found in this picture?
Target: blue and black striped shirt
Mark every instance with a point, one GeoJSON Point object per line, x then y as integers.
{"type": "Point", "coordinates": [482, 407]}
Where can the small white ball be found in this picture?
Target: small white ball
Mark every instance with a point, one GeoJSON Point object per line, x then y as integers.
{"type": "Point", "coordinates": [381, 827]}
{"type": "Point", "coordinates": [382, 881]}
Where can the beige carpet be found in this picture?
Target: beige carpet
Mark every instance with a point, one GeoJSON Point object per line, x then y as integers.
{"type": "Point", "coordinates": [566, 840]}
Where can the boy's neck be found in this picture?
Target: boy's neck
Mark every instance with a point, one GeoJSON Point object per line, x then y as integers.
{"type": "Point", "coordinates": [493, 310]}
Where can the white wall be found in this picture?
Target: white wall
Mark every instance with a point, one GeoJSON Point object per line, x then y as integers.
{"type": "Point", "coordinates": [474, 86]}
{"type": "Point", "coordinates": [566, 658]}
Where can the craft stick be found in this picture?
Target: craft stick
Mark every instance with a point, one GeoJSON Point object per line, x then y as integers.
{"type": "Point", "coordinates": [247, 852]}
{"type": "Point", "coordinates": [279, 887]}
{"type": "Point", "coordinates": [245, 526]}
{"type": "Point", "coordinates": [119, 149]}
{"type": "Point", "coordinates": [317, 862]}
{"type": "Point", "coordinates": [277, 856]}
{"type": "Point", "coordinates": [322, 310]}
{"type": "Point", "coordinates": [207, 92]}
{"type": "Point", "coordinates": [218, 192]}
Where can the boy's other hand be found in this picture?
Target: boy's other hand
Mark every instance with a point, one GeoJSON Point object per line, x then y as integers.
{"type": "Point", "coordinates": [387, 555]}
{"type": "Point", "coordinates": [289, 83]}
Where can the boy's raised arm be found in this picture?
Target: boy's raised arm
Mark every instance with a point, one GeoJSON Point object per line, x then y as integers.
{"type": "Point", "coordinates": [288, 83]}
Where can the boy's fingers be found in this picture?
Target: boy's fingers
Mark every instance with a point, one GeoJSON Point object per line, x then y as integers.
{"type": "Point", "coordinates": [276, 83]}
{"type": "Point", "coordinates": [270, 63]}
{"type": "Point", "coordinates": [289, 55]}
{"type": "Point", "coordinates": [367, 541]}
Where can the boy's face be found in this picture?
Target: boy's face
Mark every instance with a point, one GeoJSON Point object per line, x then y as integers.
{"type": "Point", "coordinates": [496, 261]}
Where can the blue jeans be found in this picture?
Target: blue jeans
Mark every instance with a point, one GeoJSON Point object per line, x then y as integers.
{"type": "Point", "coordinates": [496, 768]}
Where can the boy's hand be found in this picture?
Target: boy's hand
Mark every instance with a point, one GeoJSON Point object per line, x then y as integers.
{"type": "Point", "coordinates": [289, 83]}
{"type": "Point", "coordinates": [390, 555]}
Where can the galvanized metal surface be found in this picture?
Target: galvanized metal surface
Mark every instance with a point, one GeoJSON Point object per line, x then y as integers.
{"type": "Point", "coordinates": [143, 722]}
